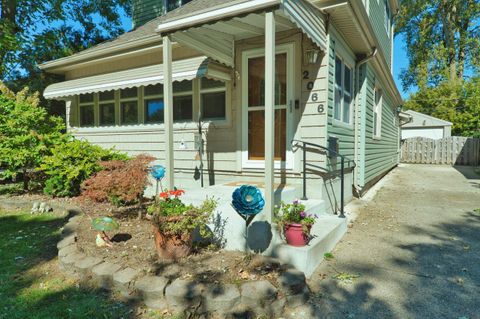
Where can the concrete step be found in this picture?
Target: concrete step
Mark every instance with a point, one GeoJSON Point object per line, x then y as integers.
{"type": "Point", "coordinates": [326, 232]}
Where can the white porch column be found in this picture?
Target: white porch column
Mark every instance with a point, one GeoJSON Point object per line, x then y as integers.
{"type": "Point", "coordinates": [168, 111]}
{"type": "Point", "coordinates": [269, 113]}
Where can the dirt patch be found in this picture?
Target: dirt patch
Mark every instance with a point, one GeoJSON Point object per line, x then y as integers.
{"type": "Point", "coordinates": [134, 247]}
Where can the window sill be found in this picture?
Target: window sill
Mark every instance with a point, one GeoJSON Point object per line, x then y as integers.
{"type": "Point", "coordinates": [342, 124]}
{"type": "Point", "coordinates": [376, 138]}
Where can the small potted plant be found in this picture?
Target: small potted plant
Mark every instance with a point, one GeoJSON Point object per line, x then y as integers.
{"type": "Point", "coordinates": [294, 222]}
{"type": "Point", "coordinates": [174, 223]}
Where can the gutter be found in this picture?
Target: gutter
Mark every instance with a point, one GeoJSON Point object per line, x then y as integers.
{"type": "Point", "coordinates": [356, 110]}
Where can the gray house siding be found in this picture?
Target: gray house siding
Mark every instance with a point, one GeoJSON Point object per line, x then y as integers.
{"type": "Point", "coordinates": [377, 17]}
{"type": "Point", "coordinates": [380, 154]}
{"type": "Point", "coordinates": [345, 134]}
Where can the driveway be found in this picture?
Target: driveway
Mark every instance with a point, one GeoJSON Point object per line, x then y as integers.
{"type": "Point", "coordinates": [412, 252]}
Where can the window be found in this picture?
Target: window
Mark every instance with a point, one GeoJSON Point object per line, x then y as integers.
{"type": "Point", "coordinates": [86, 108]}
{"type": "Point", "coordinates": [343, 92]}
{"type": "Point", "coordinates": [107, 108]}
{"type": "Point", "coordinates": [387, 17]}
{"type": "Point", "coordinates": [154, 104]}
{"type": "Point", "coordinates": [213, 99]}
{"type": "Point", "coordinates": [173, 4]}
{"type": "Point", "coordinates": [182, 101]}
{"type": "Point", "coordinates": [377, 114]}
{"type": "Point", "coordinates": [124, 107]}
{"type": "Point", "coordinates": [129, 106]}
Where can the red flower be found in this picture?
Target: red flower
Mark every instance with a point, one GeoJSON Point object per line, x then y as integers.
{"type": "Point", "coordinates": [164, 195]}
{"type": "Point", "coordinates": [177, 192]}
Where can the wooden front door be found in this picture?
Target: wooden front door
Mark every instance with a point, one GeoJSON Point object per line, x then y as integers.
{"type": "Point", "coordinates": [256, 107]}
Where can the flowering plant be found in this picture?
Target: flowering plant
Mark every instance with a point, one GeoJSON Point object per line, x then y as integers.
{"type": "Point", "coordinates": [294, 213]}
{"type": "Point", "coordinates": [174, 217]}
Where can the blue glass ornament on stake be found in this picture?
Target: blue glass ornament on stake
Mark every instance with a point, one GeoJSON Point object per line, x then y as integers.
{"type": "Point", "coordinates": [158, 173]}
{"type": "Point", "coordinates": [248, 202]}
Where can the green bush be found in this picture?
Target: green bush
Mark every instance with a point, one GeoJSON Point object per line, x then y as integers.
{"type": "Point", "coordinates": [27, 134]}
{"type": "Point", "coordinates": [73, 162]}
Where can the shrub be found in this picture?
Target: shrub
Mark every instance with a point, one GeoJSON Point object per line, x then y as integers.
{"type": "Point", "coordinates": [71, 163]}
{"type": "Point", "coordinates": [27, 134]}
{"type": "Point", "coordinates": [120, 182]}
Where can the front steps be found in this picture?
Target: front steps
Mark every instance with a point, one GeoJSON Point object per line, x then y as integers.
{"type": "Point", "coordinates": [230, 232]}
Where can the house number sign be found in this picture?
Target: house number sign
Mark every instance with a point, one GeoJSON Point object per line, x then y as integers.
{"type": "Point", "coordinates": [313, 97]}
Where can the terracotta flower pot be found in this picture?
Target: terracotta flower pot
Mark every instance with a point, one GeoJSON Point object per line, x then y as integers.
{"type": "Point", "coordinates": [295, 235]}
{"type": "Point", "coordinates": [172, 246]}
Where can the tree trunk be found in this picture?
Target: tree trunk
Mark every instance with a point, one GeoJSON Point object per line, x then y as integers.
{"type": "Point", "coordinates": [26, 180]}
{"type": "Point", "coordinates": [8, 14]}
{"type": "Point", "coordinates": [448, 11]}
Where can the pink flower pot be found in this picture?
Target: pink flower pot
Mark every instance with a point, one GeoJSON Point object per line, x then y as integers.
{"type": "Point", "coordinates": [295, 236]}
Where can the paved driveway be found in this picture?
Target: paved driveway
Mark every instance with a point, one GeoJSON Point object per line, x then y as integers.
{"type": "Point", "coordinates": [415, 249]}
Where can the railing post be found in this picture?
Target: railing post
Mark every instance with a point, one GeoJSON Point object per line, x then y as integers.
{"type": "Point", "coordinates": [342, 186]}
{"type": "Point", "coordinates": [304, 172]}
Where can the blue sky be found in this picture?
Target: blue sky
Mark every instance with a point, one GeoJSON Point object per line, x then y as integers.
{"type": "Point", "coordinates": [400, 60]}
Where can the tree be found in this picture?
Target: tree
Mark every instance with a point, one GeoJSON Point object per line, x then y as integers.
{"type": "Point", "coordinates": [442, 39]}
{"type": "Point", "coordinates": [27, 133]}
{"type": "Point", "coordinates": [456, 102]}
{"type": "Point", "coordinates": [32, 32]}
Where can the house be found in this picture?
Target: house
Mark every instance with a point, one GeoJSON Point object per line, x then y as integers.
{"type": "Point", "coordinates": [266, 92]}
{"type": "Point", "coordinates": [423, 125]}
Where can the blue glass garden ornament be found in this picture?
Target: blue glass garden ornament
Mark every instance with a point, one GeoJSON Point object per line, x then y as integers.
{"type": "Point", "coordinates": [248, 201]}
{"type": "Point", "coordinates": [158, 172]}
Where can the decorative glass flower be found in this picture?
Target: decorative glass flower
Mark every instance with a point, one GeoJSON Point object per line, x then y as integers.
{"type": "Point", "coordinates": [158, 172]}
{"type": "Point", "coordinates": [104, 224]}
{"type": "Point", "coordinates": [248, 200]}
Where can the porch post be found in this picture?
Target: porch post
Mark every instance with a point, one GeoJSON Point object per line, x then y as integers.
{"type": "Point", "coordinates": [168, 105]}
{"type": "Point", "coordinates": [269, 113]}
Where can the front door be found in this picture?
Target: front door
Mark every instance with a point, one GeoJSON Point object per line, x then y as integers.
{"type": "Point", "coordinates": [254, 107]}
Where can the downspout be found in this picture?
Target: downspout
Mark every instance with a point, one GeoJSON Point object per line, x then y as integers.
{"type": "Point", "coordinates": [358, 64]}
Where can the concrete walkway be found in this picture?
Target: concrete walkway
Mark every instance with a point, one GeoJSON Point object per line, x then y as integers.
{"type": "Point", "coordinates": [415, 248]}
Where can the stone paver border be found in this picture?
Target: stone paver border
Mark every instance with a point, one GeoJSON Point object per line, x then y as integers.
{"type": "Point", "coordinates": [179, 295]}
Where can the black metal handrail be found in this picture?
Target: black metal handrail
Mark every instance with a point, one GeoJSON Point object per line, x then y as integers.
{"type": "Point", "coordinates": [342, 170]}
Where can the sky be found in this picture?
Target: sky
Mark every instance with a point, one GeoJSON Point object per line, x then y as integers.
{"type": "Point", "coordinates": [400, 60]}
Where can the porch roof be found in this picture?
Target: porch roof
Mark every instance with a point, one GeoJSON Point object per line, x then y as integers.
{"type": "Point", "coordinates": [214, 32]}
{"type": "Point", "coordinates": [182, 70]}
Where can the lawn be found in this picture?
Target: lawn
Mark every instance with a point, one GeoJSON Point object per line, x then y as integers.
{"type": "Point", "coordinates": [31, 285]}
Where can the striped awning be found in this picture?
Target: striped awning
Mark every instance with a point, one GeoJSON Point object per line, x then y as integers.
{"type": "Point", "coordinates": [182, 70]}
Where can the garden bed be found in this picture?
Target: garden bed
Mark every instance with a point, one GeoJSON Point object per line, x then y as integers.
{"type": "Point", "coordinates": [134, 247]}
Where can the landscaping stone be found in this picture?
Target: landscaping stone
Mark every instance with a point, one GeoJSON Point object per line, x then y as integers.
{"type": "Point", "coordinates": [292, 281]}
{"type": "Point", "coordinates": [70, 228]}
{"type": "Point", "coordinates": [183, 294]}
{"type": "Point", "coordinates": [103, 274]}
{"type": "Point", "coordinates": [298, 299]}
{"type": "Point", "coordinates": [258, 293]}
{"type": "Point", "coordinates": [70, 239]}
{"type": "Point", "coordinates": [83, 266]}
{"type": "Point", "coordinates": [221, 299]}
{"type": "Point", "coordinates": [123, 281]}
{"type": "Point", "coordinates": [152, 289]}
{"type": "Point", "coordinates": [67, 262]}
{"type": "Point", "coordinates": [63, 252]}
{"type": "Point", "coordinates": [306, 311]}
{"type": "Point", "coordinates": [277, 307]}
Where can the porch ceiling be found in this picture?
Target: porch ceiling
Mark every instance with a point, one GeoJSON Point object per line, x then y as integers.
{"type": "Point", "coordinates": [214, 33]}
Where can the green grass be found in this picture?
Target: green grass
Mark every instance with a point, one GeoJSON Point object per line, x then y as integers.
{"type": "Point", "coordinates": [328, 256]}
{"type": "Point", "coordinates": [31, 285]}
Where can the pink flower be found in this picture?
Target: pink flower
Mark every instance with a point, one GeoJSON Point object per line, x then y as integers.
{"type": "Point", "coordinates": [302, 214]}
